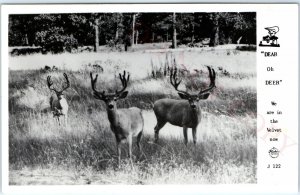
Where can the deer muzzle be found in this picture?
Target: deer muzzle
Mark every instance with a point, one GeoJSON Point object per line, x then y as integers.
{"type": "Point", "coordinates": [110, 106]}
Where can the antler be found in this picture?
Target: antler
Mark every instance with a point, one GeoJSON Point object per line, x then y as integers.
{"type": "Point", "coordinates": [124, 81]}
{"type": "Point", "coordinates": [50, 83]}
{"type": "Point", "coordinates": [93, 82]}
{"type": "Point", "coordinates": [175, 81]}
{"type": "Point", "coordinates": [67, 82]}
{"type": "Point", "coordinates": [212, 77]}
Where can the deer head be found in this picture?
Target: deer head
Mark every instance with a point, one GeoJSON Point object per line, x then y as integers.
{"type": "Point", "coordinates": [59, 93]}
{"type": "Point", "coordinates": [111, 99]}
{"type": "Point", "coordinates": [193, 99]}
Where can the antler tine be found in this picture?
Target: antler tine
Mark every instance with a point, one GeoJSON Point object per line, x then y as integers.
{"type": "Point", "coordinates": [50, 83]}
{"type": "Point", "coordinates": [68, 82]}
{"type": "Point", "coordinates": [212, 77]}
{"type": "Point", "coordinates": [93, 82]}
{"type": "Point", "coordinates": [175, 81]}
{"type": "Point", "coordinates": [124, 81]}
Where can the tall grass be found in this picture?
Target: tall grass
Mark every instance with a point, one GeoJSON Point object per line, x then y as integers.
{"type": "Point", "coordinates": [84, 152]}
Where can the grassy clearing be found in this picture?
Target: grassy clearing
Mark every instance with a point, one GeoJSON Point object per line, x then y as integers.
{"type": "Point", "coordinates": [85, 151]}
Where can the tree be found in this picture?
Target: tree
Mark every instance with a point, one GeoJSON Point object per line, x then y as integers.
{"type": "Point", "coordinates": [133, 29]}
{"type": "Point", "coordinates": [228, 27]}
{"type": "Point", "coordinates": [96, 27]}
{"type": "Point", "coordinates": [214, 39]}
{"type": "Point", "coordinates": [174, 40]}
{"type": "Point", "coordinates": [64, 32]}
{"type": "Point", "coordinates": [79, 26]}
{"type": "Point", "coordinates": [95, 22]}
{"type": "Point", "coordinates": [21, 30]}
{"type": "Point", "coordinates": [54, 33]}
{"type": "Point", "coordinates": [127, 35]}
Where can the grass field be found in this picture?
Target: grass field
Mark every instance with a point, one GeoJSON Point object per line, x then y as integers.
{"type": "Point", "coordinates": [41, 152]}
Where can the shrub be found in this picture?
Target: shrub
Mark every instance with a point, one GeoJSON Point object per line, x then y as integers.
{"type": "Point", "coordinates": [246, 48]}
{"type": "Point", "coordinates": [55, 41]}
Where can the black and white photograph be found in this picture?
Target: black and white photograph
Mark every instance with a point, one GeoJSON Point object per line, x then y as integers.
{"type": "Point", "coordinates": [135, 98]}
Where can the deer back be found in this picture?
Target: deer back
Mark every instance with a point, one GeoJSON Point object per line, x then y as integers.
{"type": "Point", "coordinates": [177, 112]}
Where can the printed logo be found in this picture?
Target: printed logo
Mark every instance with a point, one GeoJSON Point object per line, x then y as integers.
{"type": "Point", "coordinates": [274, 152]}
{"type": "Point", "coordinates": [273, 103]}
{"type": "Point", "coordinates": [270, 40]}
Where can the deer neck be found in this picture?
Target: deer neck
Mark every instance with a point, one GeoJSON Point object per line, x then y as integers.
{"type": "Point", "coordinates": [196, 112]}
{"type": "Point", "coordinates": [113, 116]}
{"type": "Point", "coordinates": [62, 100]}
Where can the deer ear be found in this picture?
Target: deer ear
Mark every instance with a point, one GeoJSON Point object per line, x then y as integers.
{"type": "Point", "coordinates": [123, 95]}
{"type": "Point", "coordinates": [204, 96]}
{"type": "Point", "coordinates": [183, 96]}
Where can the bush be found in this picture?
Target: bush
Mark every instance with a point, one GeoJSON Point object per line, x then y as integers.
{"type": "Point", "coordinates": [54, 40]}
{"type": "Point", "coordinates": [71, 43]}
{"type": "Point", "coordinates": [115, 45]}
{"type": "Point", "coordinates": [246, 48]}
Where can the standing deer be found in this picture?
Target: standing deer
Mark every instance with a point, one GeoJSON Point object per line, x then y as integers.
{"type": "Point", "coordinates": [124, 123]}
{"type": "Point", "coordinates": [59, 105]}
{"type": "Point", "coordinates": [184, 113]}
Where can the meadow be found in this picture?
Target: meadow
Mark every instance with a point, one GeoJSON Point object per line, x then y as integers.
{"type": "Point", "coordinates": [84, 152]}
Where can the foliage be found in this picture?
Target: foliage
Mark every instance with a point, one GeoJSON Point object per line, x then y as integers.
{"type": "Point", "coordinates": [78, 29]}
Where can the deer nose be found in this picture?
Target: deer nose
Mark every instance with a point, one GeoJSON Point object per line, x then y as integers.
{"type": "Point", "coordinates": [110, 106]}
{"type": "Point", "coordinates": [193, 106]}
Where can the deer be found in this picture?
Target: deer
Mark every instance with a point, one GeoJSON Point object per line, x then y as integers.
{"type": "Point", "coordinates": [125, 123]}
{"type": "Point", "coordinates": [185, 112]}
{"type": "Point", "coordinates": [59, 105]}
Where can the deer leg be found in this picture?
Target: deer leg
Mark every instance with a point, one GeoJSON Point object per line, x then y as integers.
{"type": "Point", "coordinates": [158, 126]}
{"type": "Point", "coordinates": [139, 137]}
{"type": "Point", "coordinates": [119, 153]}
{"type": "Point", "coordinates": [66, 120]}
{"type": "Point", "coordinates": [194, 135]}
{"type": "Point", "coordinates": [58, 120]}
{"type": "Point", "coordinates": [129, 139]}
{"type": "Point", "coordinates": [185, 135]}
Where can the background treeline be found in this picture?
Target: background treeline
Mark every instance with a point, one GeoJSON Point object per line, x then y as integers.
{"type": "Point", "coordinates": [67, 32]}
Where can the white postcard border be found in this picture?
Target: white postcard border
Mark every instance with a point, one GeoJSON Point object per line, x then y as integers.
{"type": "Point", "coordinates": [290, 92]}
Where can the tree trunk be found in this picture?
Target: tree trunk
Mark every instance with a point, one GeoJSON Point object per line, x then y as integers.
{"type": "Point", "coordinates": [137, 37]}
{"type": "Point", "coordinates": [117, 34]}
{"type": "Point", "coordinates": [26, 39]}
{"type": "Point", "coordinates": [167, 36]}
{"type": "Point", "coordinates": [193, 33]}
{"type": "Point", "coordinates": [96, 28]}
{"type": "Point", "coordinates": [214, 40]}
{"type": "Point", "coordinates": [133, 29]}
{"type": "Point", "coordinates": [239, 40]}
{"type": "Point", "coordinates": [174, 40]}
{"type": "Point", "coordinates": [216, 37]}
{"type": "Point", "coordinates": [153, 35]}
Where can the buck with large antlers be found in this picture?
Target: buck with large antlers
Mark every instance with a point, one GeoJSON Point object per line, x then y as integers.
{"type": "Point", "coordinates": [184, 113]}
{"type": "Point", "coordinates": [59, 105]}
{"type": "Point", "coordinates": [125, 123]}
